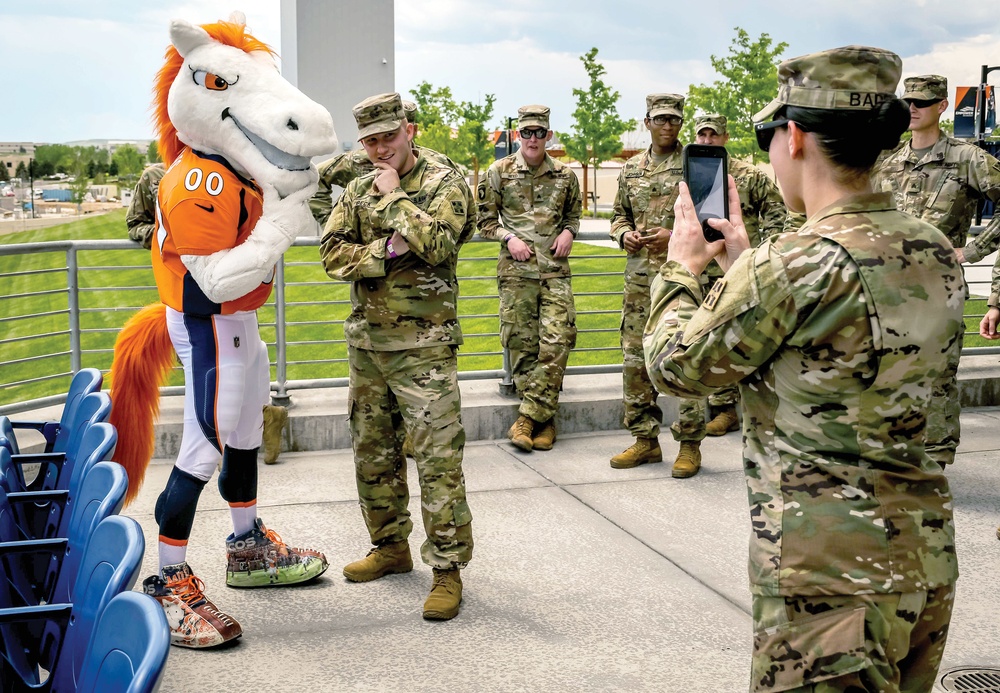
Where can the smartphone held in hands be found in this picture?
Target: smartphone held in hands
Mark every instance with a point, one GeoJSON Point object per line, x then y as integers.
{"type": "Point", "coordinates": [706, 172]}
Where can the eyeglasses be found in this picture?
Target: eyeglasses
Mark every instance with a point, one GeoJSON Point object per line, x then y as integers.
{"type": "Point", "coordinates": [663, 120]}
{"type": "Point", "coordinates": [922, 103]}
{"type": "Point", "coordinates": [765, 132]}
{"type": "Point", "coordinates": [538, 133]}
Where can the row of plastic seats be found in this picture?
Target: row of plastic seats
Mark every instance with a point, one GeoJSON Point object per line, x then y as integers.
{"type": "Point", "coordinates": [68, 618]}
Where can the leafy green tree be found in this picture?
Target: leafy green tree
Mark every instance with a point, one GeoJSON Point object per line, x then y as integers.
{"type": "Point", "coordinates": [456, 129]}
{"type": "Point", "coordinates": [21, 172]}
{"type": "Point", "coordinates": [130, 163]}
{"type": "Point", "coordinates": [4, 174]}
{"type": "Point", "coordinates": [152, 153]}
{"type": "Point", "coordinates": [597, 127]}
{"type": "Point", "coordinates": [750, 81]}
{"type": "Point", "coordinates": [54, 158]}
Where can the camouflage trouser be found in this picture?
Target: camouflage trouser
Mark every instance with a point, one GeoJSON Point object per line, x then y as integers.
{"type": "Point", "coordinates": [891, 643]}
{"type": "Point", "coordinates": [416, 389]}
{"type": "Point", "coordinates": [642, 415]}
{"type": "Point", "coordinates": [944, 426]}
{"type": "Point", "coordinates": [690, 424]}
{"type": "Point", "coordinates": [538, 329]}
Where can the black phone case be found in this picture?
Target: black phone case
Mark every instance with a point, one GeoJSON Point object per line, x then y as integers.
{"type": "Point", "coordinates": [709, 152]}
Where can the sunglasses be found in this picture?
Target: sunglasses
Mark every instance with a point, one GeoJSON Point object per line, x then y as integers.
{"type": "Point", "coordinates": [537, 133]}
{"type": "Point", "coordinates": [664, 119]}
{"type": "Point", "coordinates": [765, 132]}
{"type": "Point", "coordinates": [922, 103]}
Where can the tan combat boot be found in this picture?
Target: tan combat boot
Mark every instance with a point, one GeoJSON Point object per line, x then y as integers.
{"type": "Point", "coordinates": [642, 451]}
{"type": "Point", "coordinates": [688, 460]}
{"type": "Point", "coordinates": [445, 597]}
{"type": "Point", "coordinates": [275, 419]}
{"type": "Point", "coordinates": [724, 422]}
{"type": "Point", "coordinates": [520, 432]}
{"type": "Point", "coordinates": [381, 560]}
{"type": "Point", "coordinates": [545, 438]}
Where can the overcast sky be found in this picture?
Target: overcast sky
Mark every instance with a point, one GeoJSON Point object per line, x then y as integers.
{"type": "Point", "coordinates": [80, 70]}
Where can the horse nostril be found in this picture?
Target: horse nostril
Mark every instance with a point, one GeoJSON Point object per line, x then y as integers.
{"type": "Point", "coordinates": [291, 125]}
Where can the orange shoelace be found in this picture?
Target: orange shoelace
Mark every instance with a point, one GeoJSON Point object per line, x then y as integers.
{"type": "Point", "coordinates": [190, 589]}
{"type": "Point", "coordinates": [275, 538]}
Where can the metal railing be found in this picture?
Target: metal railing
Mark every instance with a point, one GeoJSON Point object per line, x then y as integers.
{"type": "Point", "coordinates": [61, 309]}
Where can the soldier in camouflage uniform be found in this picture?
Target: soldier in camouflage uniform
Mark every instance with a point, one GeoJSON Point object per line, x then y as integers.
{"type": "Point", "coordinates": [764, 215]}
{"type": "Point", "coordinates": [141, 223]}
{"type": "Point", "coordinates": [643, 217]}
{"type": "Point", "coordinates": [346, 166]}
{"type": "Point", "coordinates": [940, 179]}
{"type": "Point", "coordinates": [537, 201]}
{"type": "Point", "coordinates": [852, 556]}
{"type": "Point", "coordinates": [395, 235]}
{"type": "Point", "coordinates": [141, 216]}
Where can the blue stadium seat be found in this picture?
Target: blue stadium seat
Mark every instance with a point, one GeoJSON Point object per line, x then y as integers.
{"type": "Point", "coordinates": [110, 567]}
{"type": "Point", "coordinates": [56, 433]}
{"type": "Point", "coordinates": [128, 650]}
{"type": "Point", "coordinates": [53, 473]}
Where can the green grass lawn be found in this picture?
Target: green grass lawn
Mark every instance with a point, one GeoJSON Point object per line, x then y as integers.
{"type": "Point", "coordinates": [113, 284]}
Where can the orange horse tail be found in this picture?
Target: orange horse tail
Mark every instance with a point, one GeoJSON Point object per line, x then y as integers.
{"type": "Point", "coordinates": [142, 362]}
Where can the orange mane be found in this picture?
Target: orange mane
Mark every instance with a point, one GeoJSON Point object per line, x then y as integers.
{"type": "Point", "coordinates": [226, 33]}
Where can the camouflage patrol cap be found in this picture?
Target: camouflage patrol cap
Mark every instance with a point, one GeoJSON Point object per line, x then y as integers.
{"type": "Point", "coordinates": [713, 121]}
{"type": "Point", "coordinates": [377, 114]}
{"type": "Point", "coordinates": [856, 78]}
{"type": "Point", "coordinates": [925, 88]}
{"type": "Point", "coordinates": [410, 109]}
{"type": "Point", "coordinates": [665, 104]}
{"type": "Point", "coordinates": [533, 115]}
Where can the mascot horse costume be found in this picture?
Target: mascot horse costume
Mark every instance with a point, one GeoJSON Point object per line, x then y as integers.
{"type": "Point", "coordinates": [238, 140]}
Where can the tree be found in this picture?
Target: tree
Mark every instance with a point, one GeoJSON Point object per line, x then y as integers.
{"type": "Point", "coordinates": [750, 82]}
{"type": "Point", "coordinates": [4, 174]}
{"type": "Point", "coordinates": [597, 127]}
{"type": "Point", "coordinates": [152, 153]}
{"type": "Point", "coordinates": [455, 129]}
{"type": "Point", "coordinates": [130, 163]}
{"type": "Point", "coordinates": [21, 172]}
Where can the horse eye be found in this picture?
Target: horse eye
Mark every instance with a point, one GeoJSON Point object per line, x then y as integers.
{"type": "Point", "coordinates": [211, 82]}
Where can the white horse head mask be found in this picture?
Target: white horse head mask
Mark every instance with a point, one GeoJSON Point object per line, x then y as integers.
{"type": "Point", "coordinates": [227, 98]}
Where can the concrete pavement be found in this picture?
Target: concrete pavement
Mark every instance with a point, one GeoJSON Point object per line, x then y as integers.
{"type": "Point", "coordinates": [584, 577]}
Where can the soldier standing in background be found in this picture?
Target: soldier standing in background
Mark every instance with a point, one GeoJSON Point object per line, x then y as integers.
{"type": "Point", "coordinates": [643, 217]}
{"type": "Point", "coordinates": [530, 203]}
{"type": "Point", "coordinates": [835, 335]}
{"type": "Point", "coordinates": [141, 223]}
{"type": "Point", "coordinates": [764, 215]}
{"type": "Point", "coordinates": [940, 179]}
{"type": "Point", "coordinates": [395, 235]}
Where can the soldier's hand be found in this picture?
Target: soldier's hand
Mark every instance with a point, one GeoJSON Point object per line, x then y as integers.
{"type": "Point", "coordinates": [960, 255]}
{"type": "Point", "coordinates": [657, 239]}
{"type": "Point", "coordinates": [386, 180]}
{"type": "Point", "coordinates": [520, 250]}
{"type": "Point", "coordinates": [399, 244]}
{"type": "Point", "coordinates": [632, 242]}
{"type": "Point", "coordinates": [563, 244]}
{"type": "Point", "coordinates": [688, 246]}
{"type": "Point", "coordinates": [988, 325]}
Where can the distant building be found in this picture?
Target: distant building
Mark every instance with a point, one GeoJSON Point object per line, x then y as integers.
{"type": "Point", "coordinates": [26, 148]}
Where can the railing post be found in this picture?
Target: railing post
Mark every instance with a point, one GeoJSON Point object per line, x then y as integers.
{"type": "Point", "coordinates": [280, 397]}
{"type": "Point", "coordinates": [73, 298]}
{"type": "Point", "coordinates": [507, 383]}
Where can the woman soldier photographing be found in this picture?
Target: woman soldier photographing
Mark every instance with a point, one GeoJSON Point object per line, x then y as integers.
{"type": "Point", "coordinates": [836, 334]}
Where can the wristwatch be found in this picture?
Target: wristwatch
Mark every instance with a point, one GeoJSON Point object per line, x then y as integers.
{"type": "Point", "coordinates": [507, 238]}
{"type": "Point", "coordinates": [389, 252]}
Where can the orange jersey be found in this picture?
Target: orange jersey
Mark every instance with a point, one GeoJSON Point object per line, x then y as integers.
{"type": "Point", "coordinates": [203, 206]}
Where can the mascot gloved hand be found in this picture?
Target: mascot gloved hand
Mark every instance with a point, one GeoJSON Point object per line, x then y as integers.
{"type": "Point", "coordinates": [238, 140]}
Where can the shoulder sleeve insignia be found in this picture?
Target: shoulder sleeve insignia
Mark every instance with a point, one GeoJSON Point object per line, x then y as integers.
{"type": "Point", "coordinates": [713, 295]}
{"type": "Point", "coordinates": [458, 207]}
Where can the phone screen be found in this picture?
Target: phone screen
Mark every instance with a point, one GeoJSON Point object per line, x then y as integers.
{"type": "Point", "coordinates": [707, 182]}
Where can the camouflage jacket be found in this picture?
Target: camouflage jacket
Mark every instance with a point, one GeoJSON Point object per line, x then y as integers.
{"type": "Point", "coordinates": [836, 378]}
{"type": "Point", "coordinates": [141, 216]}
{"type": "Point", "coordinates": [645, 200]}
{"type": "Point", "coordinates": [410, 301]}
{"type": "Point", "coordinates": [534, 205]}
{"type": "Point", "coordinates": [345, 167]}
{"type": "Point", "coordinates": [944, 187]}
